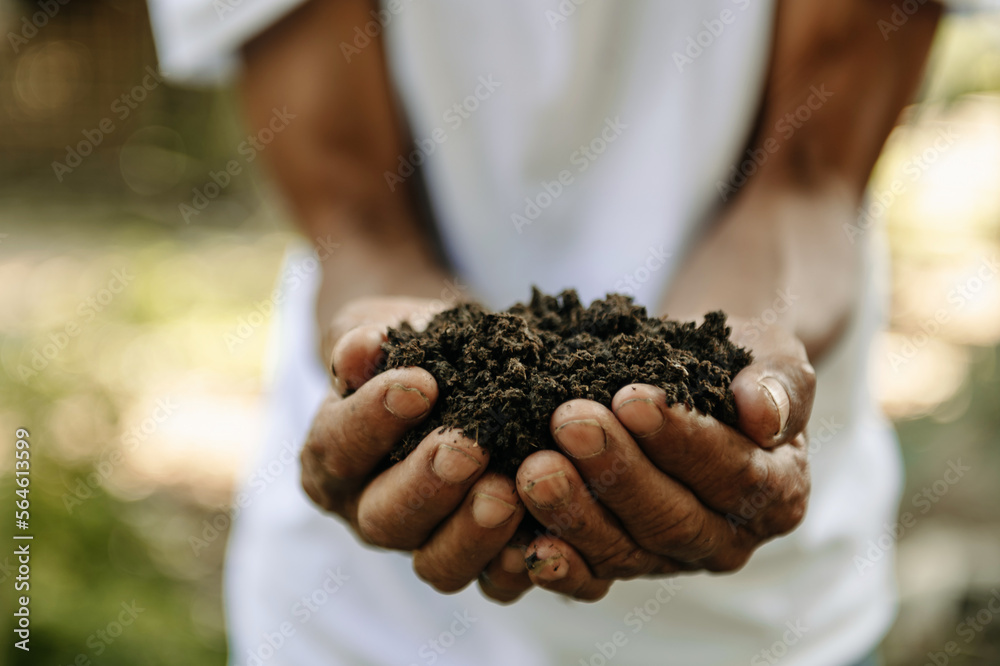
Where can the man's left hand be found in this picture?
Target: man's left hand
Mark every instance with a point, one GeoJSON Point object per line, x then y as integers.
{"type": "Point", "coordinates": [646, 489]}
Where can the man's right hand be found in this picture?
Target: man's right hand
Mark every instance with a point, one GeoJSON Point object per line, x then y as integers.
{"type": "Point", "coordinates": [439, 502]}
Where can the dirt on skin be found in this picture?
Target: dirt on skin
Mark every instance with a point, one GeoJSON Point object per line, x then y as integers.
{"type": "Point", "coordinates": [501, 375]}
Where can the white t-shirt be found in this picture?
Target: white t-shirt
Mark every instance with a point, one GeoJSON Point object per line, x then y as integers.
{"type": "Point", "coordinates": [584, 151]}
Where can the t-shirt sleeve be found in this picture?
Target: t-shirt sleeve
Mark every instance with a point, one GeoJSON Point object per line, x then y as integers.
{"type": "Point", "coordinates": [198, 41]}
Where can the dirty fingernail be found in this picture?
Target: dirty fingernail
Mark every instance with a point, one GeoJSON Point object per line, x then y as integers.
{"type": "Point", "coordinates": [779, 396]}
{"type": "Point", "coordinates": [512, 560]}
{"type": "Point", "coordinates": [454, 465]}
{"type": "Point", "coordinates": [552, 568]}
{"type": "Point", "coordinates": [549, 491]}
{"type": "Point", "coordinates": [490, 512]}
{"type": "Point", "coordinates": [405, 402]}
{"type": "Point", "coordinates": [584, 438]}
{"type": "Point", "coordinates": [641, 416]}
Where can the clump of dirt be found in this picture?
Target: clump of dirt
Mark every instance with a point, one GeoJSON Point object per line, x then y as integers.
{"type": "Point", "coordinates": [501, 374]}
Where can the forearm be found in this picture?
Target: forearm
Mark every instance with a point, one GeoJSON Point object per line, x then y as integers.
{"type": "Point", "coordinates": [764, 266]}
{"type": "Point", "coordinates": [777, 255]}
{"type": "Point", "coordinates": [372, 256]}
{"type": "Point", "coordinates": [330, 161]}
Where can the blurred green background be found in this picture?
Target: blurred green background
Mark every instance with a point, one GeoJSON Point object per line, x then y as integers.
{"type": "Point", "coordinates": [118, 314]}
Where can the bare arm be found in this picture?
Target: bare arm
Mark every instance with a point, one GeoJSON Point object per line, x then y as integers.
{"type": "Point", "coordinates": [784, 229]}
{"type": "Point", "coordinates": [331, 159]}
{"type": "Point", "coordinates": [441, 503]}
{"type": "Point", "coordinates": [832, 66]}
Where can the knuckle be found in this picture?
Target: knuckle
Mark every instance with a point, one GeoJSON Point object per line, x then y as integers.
{"type": "Point", "coordinates": [682, 535]}
{"type": "Point", "coordinates": [621, 560]}
{"type": "Point", "coordinates": [790, 516]}
{"type": "Point", "coordinates": [755, 476]}
{"type": "Point", "coordinates": [802, 456]}
{"type": "Point", "coordinates": [808, 373]}
{"type": "Point", "coordinates": [686, 532]}
{"type": "Point", "coordinates": [796, 514]}
{"type": "Point", "coordinates": [789, 510]}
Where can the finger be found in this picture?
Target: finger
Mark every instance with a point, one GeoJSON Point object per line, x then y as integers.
{"type": "Point", "coordinates": [377, 310]}
{"type": "Point", "coordinates": [357, 357]}
{"type": "Point", "coordinates": [774, 398]}
{"type": "Point", "coordinates": [349, 436]}
{"type": "Point", "coordinates": [725, 470]}
{"type": "Point", "coordinates": [774, 394]}
{"type": "Point", "coordinates": [557, 497]}
{"type": "Point", "coordinates": [474, 535]}
{"type": "Point", "coordinates": [505, 579]}
{"type": "Point", "coordinates": [719, 464]}
{"type": "Point", "coordinates": [554, 565]}
{"type": "Point", "coordinates": [401, 506]}
{"type": "Point", "coordinates": [659, 513]}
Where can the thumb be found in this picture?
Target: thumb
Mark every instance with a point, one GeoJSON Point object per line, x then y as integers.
{"type": "Point", "coordinates": [352, 342]}
{"type": "Point", "coordinates": [774, 398]}
{"type": "Point", "coordinates": [357, 356]}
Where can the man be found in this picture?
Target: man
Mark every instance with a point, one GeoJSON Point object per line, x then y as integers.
{"type": "Point", "coordinates": [697, 155]}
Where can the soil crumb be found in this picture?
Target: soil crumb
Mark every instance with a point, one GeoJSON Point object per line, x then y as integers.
{"type": "Point", "coordinates": [501, 374]}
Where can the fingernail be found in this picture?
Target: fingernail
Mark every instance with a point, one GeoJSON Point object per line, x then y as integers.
{"type": "Point", "coordinates": [641, 416]}
{"type": "Point", "coordinates": [335, 381]}
{"type": "Point", "coordinates": [490, 512]}
{"type": "Point", "coordinates": [405, 402]}
{"type": "Point", "coordinates": [779, 396]}
{"type": "Point", "coordinates": [550, 491]}
{"type": "Point", "coordinates": [581, 439]}
{"type": "Point", "coordinates": [454, 465]}
{"type": "Point", "coordinates": [512, 560]}
{"type": "Point", "coordinates": [552, 568]}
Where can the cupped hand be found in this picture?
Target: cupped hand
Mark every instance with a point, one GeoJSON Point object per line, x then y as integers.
{"type": "Point", "coordinates": [440, 502]}
{"type": "Point", "coordinates": [645, 489]}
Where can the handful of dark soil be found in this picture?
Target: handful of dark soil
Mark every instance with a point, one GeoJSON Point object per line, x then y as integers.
{"type": "Point", "coordinates": [502, 374]}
